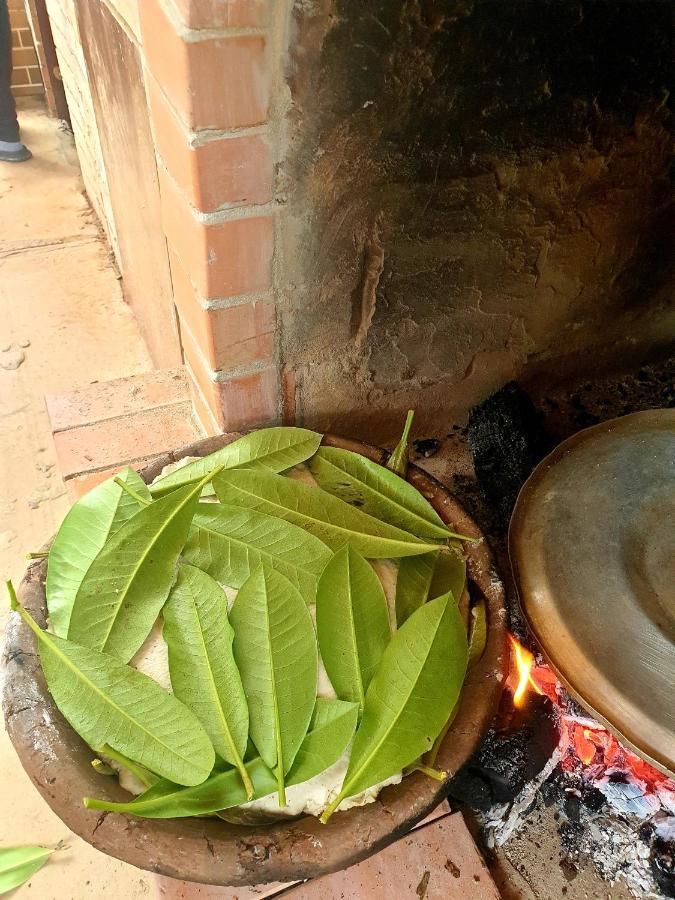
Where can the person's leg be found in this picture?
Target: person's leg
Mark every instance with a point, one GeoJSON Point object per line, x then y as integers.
{"type": "Point", "coordinates": [11, 148]}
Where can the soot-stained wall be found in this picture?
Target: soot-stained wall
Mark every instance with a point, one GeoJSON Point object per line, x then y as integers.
{"type": "Point", "coordinates": [469, 191]}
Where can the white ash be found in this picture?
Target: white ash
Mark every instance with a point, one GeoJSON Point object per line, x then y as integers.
{"type": "Point", "coordinates": [612, 838]}
{"type": "Point", "coordinates": [614, 845]}
{"type": "Point", "coordinates": [505, 819]}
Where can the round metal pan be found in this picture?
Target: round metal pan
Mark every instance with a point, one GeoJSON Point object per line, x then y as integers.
{"type": "Point", "coordinates": [592, 544]}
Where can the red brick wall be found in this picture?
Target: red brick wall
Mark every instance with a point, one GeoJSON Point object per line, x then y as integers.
{"type": "Point", "coordinates": [26, 77]}
{"type": "Point", "coordinates": [209, 85]}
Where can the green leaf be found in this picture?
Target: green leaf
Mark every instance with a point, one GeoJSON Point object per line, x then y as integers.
{"type": "Point", "coordinates": [18, 864]}
{"type": "Point", "coordinates": [352, 623]}
{"type": "Point", "coordinates": [410, 697]}
{"type": "Point", "coordinates": [422, 578]}
{"type": "Point", "coordinates": [449, 574]}
{"type": "Point", "coordinates": [275, 649]}
{"type": "Point", "coordinates": [413, 583]}
{"type": "Point", "coordinates": [166, 800]}
{"type": "Point", "coordinates": [107, 702]}
{"type": "Point", "coordinates": [332, 520]}
{"type": "Point", "coordinates": [87, 526]}
{"type": "Point", "coordinates": [127, 584]}
{"type": "Point", "coordinates": [203, 672]}
{"type": "Point", "coordinates": [229, 543]}
{"type": "Point", "coordinates": [331, 730]}
{"type": "Point", "coordinates": [274, 449]}
{"type": "Point", "coordinates": [376, 491]}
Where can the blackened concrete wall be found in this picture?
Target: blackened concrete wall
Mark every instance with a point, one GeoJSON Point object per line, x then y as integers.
{"type": "Point", "coordinates": [470, 191]}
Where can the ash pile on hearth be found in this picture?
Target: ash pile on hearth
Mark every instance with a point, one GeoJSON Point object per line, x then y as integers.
{"type": "Point", "coordinates": [610, 806]}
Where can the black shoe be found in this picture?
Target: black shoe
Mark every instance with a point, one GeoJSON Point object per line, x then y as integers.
{"type": "Point", "coordinates": [15, 156]}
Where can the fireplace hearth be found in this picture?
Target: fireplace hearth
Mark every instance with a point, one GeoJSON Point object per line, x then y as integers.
{"type": "Point", "coordinates": [557, 804]}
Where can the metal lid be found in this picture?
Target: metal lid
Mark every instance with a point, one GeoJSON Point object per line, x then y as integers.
{"type": "Point", "coordinates": [592, 545]}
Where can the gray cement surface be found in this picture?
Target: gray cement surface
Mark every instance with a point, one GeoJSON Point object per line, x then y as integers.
{"type": "Point", "coordinates": [63, 324]}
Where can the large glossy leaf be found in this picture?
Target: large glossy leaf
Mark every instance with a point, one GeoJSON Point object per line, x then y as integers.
{"type": "Point", "coordinates": [229, 542]}
{"type": "Point", "coordinates": [107, 702]}
{"type": "Point", "coordinates": [129, 581]}
{"type": "Point", "coordinates": [203, 672]}
{"type": "Point", "coordinates": [376, 491]}
{"type": "Point", "coordinates": [18, 864]}
{"type": "Point", "coordinates": [449, 574]}
{"type": "Point", "coordinates": [352, 623]}
{"type": "Point", "coordinates": [87, 526]}
{"type": "Point", "coordinates": [422, 578]}
{"type": "Point", "coordinates": [329, 518]}
{"type": "Point", "coordinates": [166, 800]}
{"type": "Point", "coordinates": [331, 730]}
{"type": "Point", "coordinates": [275, 649]}
{"type": "Point", "coordinates": [413, 583]}
{"type": "Point", "coordinates": [410, 698]}
{"type": "Point", "coordinates": [274, 449]}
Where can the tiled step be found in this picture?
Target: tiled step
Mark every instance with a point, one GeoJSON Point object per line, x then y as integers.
{"type": "Point", "coordinates": [102, 428]}
{"type": "Point", "coordinates": [438, 861]}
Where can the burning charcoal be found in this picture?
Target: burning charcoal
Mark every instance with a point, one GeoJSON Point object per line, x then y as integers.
{"type": "Point", "coordinates": [511, 756]}
{"type": "Point", "coordinates": [507, 440]}
{"type": "Point", "coordinates": [593, 799]}
{"type": "Point", "coordinates": [573, 806]}
{"type": "Point", "coordinates": [662, 860]}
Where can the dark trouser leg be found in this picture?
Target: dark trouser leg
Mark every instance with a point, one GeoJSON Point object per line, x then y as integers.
{"type": "Point", "coordinates": [9, 127]}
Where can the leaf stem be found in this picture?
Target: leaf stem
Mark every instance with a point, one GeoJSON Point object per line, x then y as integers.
{"type": "Point", "coordinates": [452, 535]}
{"type": "Point", "coordinates": [25, 615]}
{"type": "Point", "coordinates": [16, 606]}
{"type": "Point", "coordinates": [131, 492]}
{"type": "Point", "coordinates": [39, 554]}
{"type": "Point", "coordinates": [144, 775]}
{"type": "Point", "coordinates": [436, 774]}
{"type": "Point", "coordinates": [246, 779]}
{"type": "Point", "coordinates": [329, 810]}
{"type": "Point", "coordinates": [281, 787]}
{"type": "Point", "coordinates": [398, 461]}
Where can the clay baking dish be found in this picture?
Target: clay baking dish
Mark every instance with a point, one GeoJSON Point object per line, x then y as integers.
{"type": "Point", "coordinates": [209, 850]}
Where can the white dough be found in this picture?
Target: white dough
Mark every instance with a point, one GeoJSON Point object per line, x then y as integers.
{"type": "Point", "coordinates": [313, 796]}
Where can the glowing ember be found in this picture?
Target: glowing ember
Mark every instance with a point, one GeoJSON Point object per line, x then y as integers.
{"type": "Point", "coordinates": [586, 747]}
{"type": "Point", "coordinates": [524, 661]}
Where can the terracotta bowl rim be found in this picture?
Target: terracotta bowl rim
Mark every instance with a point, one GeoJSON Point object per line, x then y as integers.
{"type": "Point", "coordinates": [212, 851]}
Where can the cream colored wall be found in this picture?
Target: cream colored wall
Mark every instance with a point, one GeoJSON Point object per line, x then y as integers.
{"type": "Point", "coordinates": [73, 69]}
{"type": "Point", "coordinates": [126, 12]}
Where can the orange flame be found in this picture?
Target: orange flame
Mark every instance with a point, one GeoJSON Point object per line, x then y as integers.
{"type": "Point", "coordinates": [584, 746]}
{"type": "Point", "coordinates": [524, 661]}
